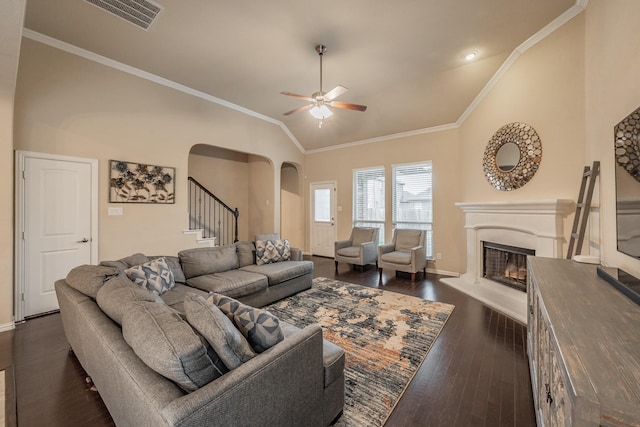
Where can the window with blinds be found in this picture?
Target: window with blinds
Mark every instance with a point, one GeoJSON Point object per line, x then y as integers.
{"type": "Point", "coordinates": [368, 199]}
{"type": "Point", "coordinates": [413, 199]}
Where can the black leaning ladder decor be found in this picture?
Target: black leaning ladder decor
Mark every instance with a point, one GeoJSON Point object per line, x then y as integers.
{"type": "Point", "coordinates": [582, 209]}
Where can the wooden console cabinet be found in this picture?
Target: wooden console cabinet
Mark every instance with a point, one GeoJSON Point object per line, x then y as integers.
{"type": "Point", "coordinates": [583, 341]}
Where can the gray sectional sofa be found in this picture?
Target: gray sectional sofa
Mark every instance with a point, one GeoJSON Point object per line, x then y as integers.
{"type": "Point", "coordinates": [298, 381]}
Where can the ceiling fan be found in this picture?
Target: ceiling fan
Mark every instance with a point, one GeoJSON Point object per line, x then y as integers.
{"type": "Point", "coordinates": [319, 102]}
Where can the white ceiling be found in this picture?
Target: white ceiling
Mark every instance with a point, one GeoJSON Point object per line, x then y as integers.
{"type": "Point", "coordinates": [403, 59]}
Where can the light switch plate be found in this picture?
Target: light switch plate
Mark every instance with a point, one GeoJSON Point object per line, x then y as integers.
{"type": "Point", "coordinates": [114, 211]}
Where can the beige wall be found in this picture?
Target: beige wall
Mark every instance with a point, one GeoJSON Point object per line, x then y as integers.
{"type": "Point", "coordinates": [292, 202]}
{"type": "Point", "coordinates": [262, 196]}
{"type": "Point", "coordinates": [612, 92]}
{"type": "Point", "coordinates": [11, 22]}
{"type": "Point", "coordinates": [69, 105]}
{"type": "Point", "coordinates": [544, 88]}
{"type": "Point", "coordinates": [441, 148]}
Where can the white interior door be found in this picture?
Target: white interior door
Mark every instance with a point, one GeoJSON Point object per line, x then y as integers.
{"type": "Point", "coordinates": [58, 226]}
{"type": "Point", "coordinates": [323, 214]}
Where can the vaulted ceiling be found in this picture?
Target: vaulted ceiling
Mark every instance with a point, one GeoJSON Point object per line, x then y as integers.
{"type": "Point", "coordinates": [403, 59]}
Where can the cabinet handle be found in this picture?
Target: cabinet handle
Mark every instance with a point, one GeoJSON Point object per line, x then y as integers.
{"type": "Point", "coordinates": [531, 309]}
{"type": "Point", "coordinates": [548, 389]}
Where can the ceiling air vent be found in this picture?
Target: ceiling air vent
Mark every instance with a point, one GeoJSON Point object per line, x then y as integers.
{"type": "Point", "coordinates": [141, 13]}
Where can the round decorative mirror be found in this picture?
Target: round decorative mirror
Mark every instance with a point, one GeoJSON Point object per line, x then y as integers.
{"type": "Point", "coordinates": [512, 156]}
{"type": "Point", "coordinates": [627, 145]}
{"type": "Point", "coordinates": [507, 157]}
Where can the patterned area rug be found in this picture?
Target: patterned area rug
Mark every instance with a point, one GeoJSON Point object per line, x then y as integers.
{"type": "Point", "coordinates": [385, 335]}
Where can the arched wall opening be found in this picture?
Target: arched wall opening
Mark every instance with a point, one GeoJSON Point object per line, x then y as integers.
{"type": "Point", "coordinates": [241, 180]}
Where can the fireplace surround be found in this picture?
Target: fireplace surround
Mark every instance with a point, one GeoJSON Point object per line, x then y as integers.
{"type": "Point", "coordinates": [534, 225]}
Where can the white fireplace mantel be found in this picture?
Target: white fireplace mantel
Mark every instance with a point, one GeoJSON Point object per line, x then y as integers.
{"type": "Point", "coordinates": [535, 225]}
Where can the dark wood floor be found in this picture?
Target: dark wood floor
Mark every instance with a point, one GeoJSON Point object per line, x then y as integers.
{"type": "Point", "coordinates": [476, 374]}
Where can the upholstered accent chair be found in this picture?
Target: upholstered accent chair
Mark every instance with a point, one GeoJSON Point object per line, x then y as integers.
{"type": "Point", "coordinates": [360, 249]}
{"type": "Point", "coordinates": [406, 252]}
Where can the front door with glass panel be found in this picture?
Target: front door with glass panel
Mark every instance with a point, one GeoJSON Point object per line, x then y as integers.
{"type": "Point", "coordinates": [323, 224]}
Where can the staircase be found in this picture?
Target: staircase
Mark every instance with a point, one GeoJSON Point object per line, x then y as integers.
{"type": "Point", "coordinates": [211, 216]}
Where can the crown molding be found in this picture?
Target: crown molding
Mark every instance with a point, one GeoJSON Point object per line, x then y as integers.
{"type": "Point", "coordinates": [569, 14]}
{"type": "Point", "coordinates": [91, 56]}
{"type": "Point", "coordinates": [407, 134]}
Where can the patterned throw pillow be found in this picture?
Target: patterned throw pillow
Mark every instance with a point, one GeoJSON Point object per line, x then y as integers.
{"type": "Point", "coordinates": [268, 251]}
{"type": "Point", "coordinates": [155, 276]}
{"type": "Point", "coordinates": [260, 328]}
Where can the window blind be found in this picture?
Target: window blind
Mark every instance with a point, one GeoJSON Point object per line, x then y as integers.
{"type": "Point", "coordinates": [368, 199]}
{"type": "Point", "coordinates": [413, 199]}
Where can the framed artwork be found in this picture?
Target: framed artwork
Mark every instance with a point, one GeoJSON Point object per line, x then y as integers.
{"type": "Point", "coordinates": [139, 183]}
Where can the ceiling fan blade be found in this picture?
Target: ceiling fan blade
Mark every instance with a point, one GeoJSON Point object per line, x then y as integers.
{"type": "Point", "coordinates": [295, 110]}
{"type": "Point", "coordinates": [335, 92]}
{"type": "Point", "coordinates": [348, 106]}
{"type": "Point", "coordinates": [295, 95]}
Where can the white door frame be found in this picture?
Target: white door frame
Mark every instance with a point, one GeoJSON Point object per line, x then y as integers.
{"type": "Point", "coordinates": [333, 208]}
{"type": "Point", "coordinates": [20, 158]}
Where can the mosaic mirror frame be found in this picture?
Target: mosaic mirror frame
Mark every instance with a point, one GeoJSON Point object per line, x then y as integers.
{"type": "Point", "coordinates": [527, 140]}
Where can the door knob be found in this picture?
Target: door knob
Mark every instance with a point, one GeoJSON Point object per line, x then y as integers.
{"type": "Point", "coordinates": [85, 240]}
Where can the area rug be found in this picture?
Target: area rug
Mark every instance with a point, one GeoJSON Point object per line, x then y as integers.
{"type": "Point", "coordinates": [386, 336]}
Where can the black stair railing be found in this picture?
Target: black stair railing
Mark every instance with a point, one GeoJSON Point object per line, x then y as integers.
{"type": "Point", "coordinates": [211, 215]}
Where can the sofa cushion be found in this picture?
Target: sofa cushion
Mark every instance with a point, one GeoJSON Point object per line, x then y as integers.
{"type": "Point", "coordinates": [233, 283]}
{"type": "Point", "coordinates": [155, 276]}
{"type": "Point", "coordinates": [118, 293]}
{"type": "Point", "coordinates": [201, 261]}
{"type": "Point", "coordinates": [124, 263]}
{"type": "Point", "coordinates": [268, 251]}
{"type": "Point", "coordinates": [174, 297]}
{"type": "Point", "coordinates": [88, 279]}
{"type": "Point", "coordinates": [397, 257]}
{"type": "Point", "coordinates": [246, 253]}
{"type": "Point", "coordinates": [333, 356]}
{"type": "Point", "coordinates": [259, 327]}
{"type": "Point", "coordinates": [407, 239]}
{"type": "Point", "coordinates": [168, 345]}
{"type": "Point", "coordinates": [350, 251]}
{"type": "Point", "coordinates": [174, 264]}
{"type": "Point", "coordinates": [362, 235]}
{"type": "Point", "coordinates": [281, 271]}
{"type": "Point", "coordinates": [218, 330]}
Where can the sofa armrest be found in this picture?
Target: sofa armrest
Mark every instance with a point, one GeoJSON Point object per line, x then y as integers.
{"type": "Point", "coordinates": [282, 386]}
{"type": "Point", "coordinates": [419, 257]}
{"type": "Point", "coordinates": [369, 250]}
{"type": "Point", "coordinates": [296, 254]}
{"type": "Point", "coordinates": [383, 249]}
{"type": "Point", "coordinates": [342, 244]}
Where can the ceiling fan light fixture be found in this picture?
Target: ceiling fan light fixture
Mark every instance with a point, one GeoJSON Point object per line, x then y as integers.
{"type": "Point", "coordinates": [321, 112]}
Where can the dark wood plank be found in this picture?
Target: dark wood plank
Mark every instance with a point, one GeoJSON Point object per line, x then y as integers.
{"type": "Point", "coordinates": [476, 373]}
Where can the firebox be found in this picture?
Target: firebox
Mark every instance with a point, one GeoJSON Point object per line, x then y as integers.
{"type": "Point", "coordinates": [505, 264]}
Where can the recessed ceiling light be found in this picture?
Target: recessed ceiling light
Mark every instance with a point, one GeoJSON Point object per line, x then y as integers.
{"type": "Point", "coordinates": [471, 55]}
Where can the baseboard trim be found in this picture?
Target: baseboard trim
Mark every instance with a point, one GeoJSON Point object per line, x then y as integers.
{"type": "Point", "coordinates": [442, 272]}
{"type": "Point", "coordinates": [7, 327]}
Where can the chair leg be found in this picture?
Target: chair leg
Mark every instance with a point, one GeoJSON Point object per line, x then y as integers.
{"type": "Point", "coordinates": [380, 271]}
{"type": "Point", "coordinates": [336, 265]}
{"type": "Point", "coordinates": [413, 277]}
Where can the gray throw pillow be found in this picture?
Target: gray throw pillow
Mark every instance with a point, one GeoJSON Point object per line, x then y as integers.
{"type": "Point", "coordinates": [259, 327]}
{"type": "Point", "coordinates": [155, 276]}
{"type": "Point", "coordinates": [246, 253]}
{"type": "Point", "coordinates": [118, 293]}
{"type": "Point", "coordinates": [218, 330]}
{"type": "Point", "coordinates": [168, 345]}
{"type": "Point", "coordinates": [268, 251]}
{"type": "Point", "coordinates": [88, 279]}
